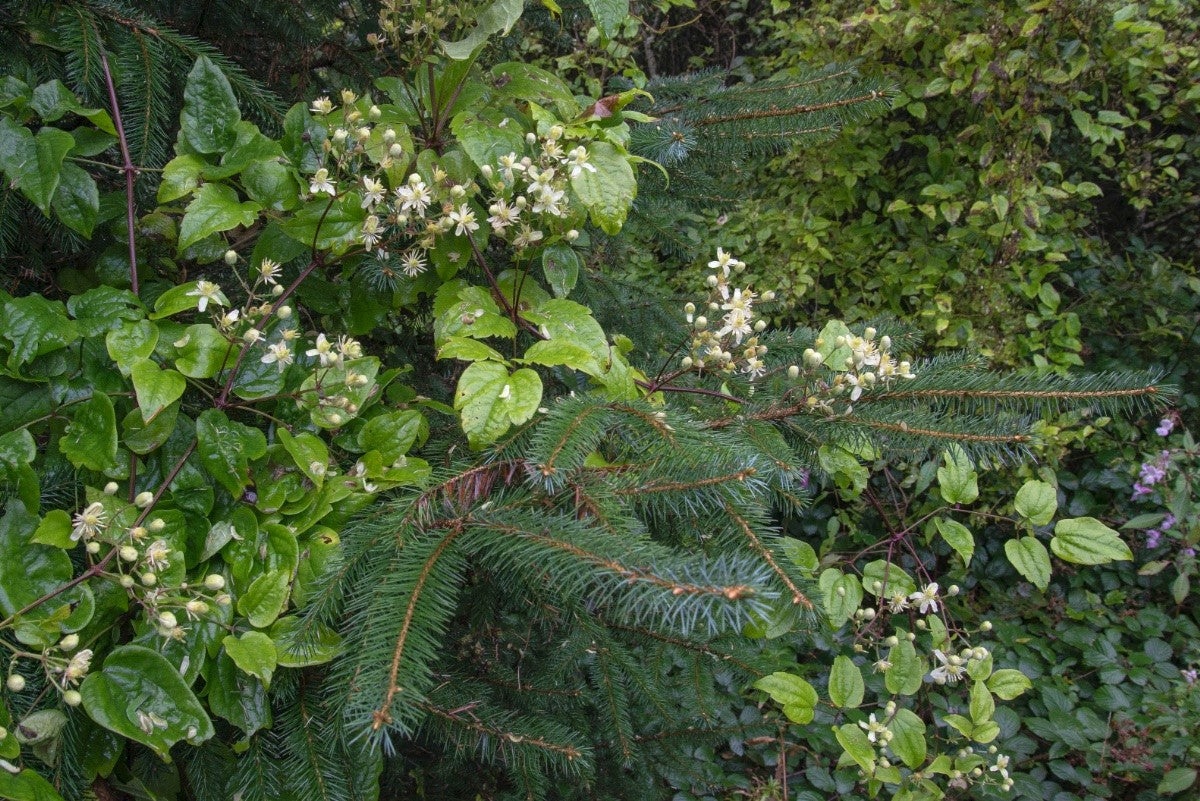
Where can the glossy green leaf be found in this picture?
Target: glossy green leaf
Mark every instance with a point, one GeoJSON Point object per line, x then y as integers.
{"type": "Point", "coordinates": [254, 653]}
{"type": "Point", "coordinates": [490, 399]}
{"type": "Point", "coordinates": [140, 695]}
{"type": "Point", "coordinates": [27, 571]}
{"type": "Point", "coordinates": [90, 440]}
{"type": "Point", "coordinates": [982, 705]}
{"type": "Point", "coordinates": [76, 199]}
{"type": "Point", "coordinates": [1087, 541]}
{"type": "Point", "coordinates": [561, 266]}
{"type": "Point", "coordinates": [609, 14]}
{"type": "Point", "coordinates": [842, 598]}
{"type": "Point", "coordinates": [54, 530]}
{"type": "Point", "coordinates": [1176, 781]}
{"type": "Point", "coordinates": [214, 208]}
{"type": "Point", "coordinates": [210, 113]}
{"type": "Point", "coordinates": [35, 326]}
{"type": "Point", "coordinates": [237, 696]}
{"type": "Point", "coordinates": [204, 352]}
{"type": "Point", "coordinates": [180, 177]}
{"type": "Point", "coordinates": [309, 453]}
{"type": "Point", "coordinates": [1031, 559]}
{"type": "Point", "coordinates": [797, 697]}
{"type": "Point", "coordinates": [1037, 502]}
{"type": "Point", "coordinates": [141, 436]}
{"type": "Point", "coordinates": [393, 434]}
{"type": "Point", "coordinates": [226, 449]}
{"type": "Point", "coordinates": [885, 579]}
{"type": "Point", "coordinates": [131, 343]}
{"type": "Point", "coordinates": [482, 136]}
{"type": "Point", "coordinates": [26, 785]}
{"type": "Point", "coordinates": [156, 388]}
{"type": "Point", "coordinates": [907, 671]}
{"type": "Point", "coordinates": [265, 599]}
{"type": "Point", "coordinates": [499, 17]}
{"type": "Point", "coordinates": [104, 309]}
{"type": "Point", "coordinates": [846, 686]}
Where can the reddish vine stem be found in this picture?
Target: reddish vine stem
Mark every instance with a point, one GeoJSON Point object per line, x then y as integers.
{"type": "Point", "coordinates": [127, 168]}
{"type": "Point", "coordinates": [98, 568]}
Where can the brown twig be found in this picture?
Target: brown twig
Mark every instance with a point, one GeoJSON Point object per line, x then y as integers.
{"type": "Point", "coordinates": [127, 167]}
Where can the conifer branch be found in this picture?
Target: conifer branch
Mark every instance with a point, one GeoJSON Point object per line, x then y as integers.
{"type": "Point", "coordinates": [757, 546]}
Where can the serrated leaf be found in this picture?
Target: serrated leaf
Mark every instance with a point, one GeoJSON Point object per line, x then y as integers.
{"type": "Point", "coordinates": [76, 200]}
{"type": "Point", "coordinates": [226, 449]}
{"type": "Point", "coordinates": [35, 326]}
{"type": "Point", "coordinates": [907, 672]}
{"type": "Point", "coordinates": [131, 343]}
{"type": "Point", "coordinates": [90, 440]}
{"type": "Point", "coordinates": [561, 266]}
{"type": "Point", "coordinates": [210, 113]}
{"type": "Point", "coordinates": [609, 14]}
{"type": "Point", "coordinates": [1087, 541]}
{"type": "Point", "coordinates": [54, 530]}
{"type": "Point", "coordinates": [180, 176]}
{"type": "Point", "coordinates": [1037, 502]}
{"type": "Point", "coordinates": [394, 433]}
{"type": "Point", "coordinates": [1031, 560]}
{"type": "Point", "coordinates": [982, 705]}
{"type": "Point", "coordinates": [490, 400]}
{"type": "Point", "coordinates": [846, 686]}
{"type": "Point", "coordinates": [140, 695]}
{"type": "Point", "coordinates": [103, 309]}
{"type": "Point", "coordinates": [499, 17]}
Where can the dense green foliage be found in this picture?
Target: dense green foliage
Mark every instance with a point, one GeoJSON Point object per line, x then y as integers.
{"type": "Point", "coordinates": [342, 458]}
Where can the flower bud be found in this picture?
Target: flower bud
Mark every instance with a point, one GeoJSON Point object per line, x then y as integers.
{"type": "Point", "coordinates": [167, 620]}
{"type": "Point", "coordinates": [921, 624]}
{"type": "Point", "coordinates": [69, 643]}
{"type": "Point", "coordinates": [3, 734]}
{"type": "Point", "coordinates": [701, 322]}
{"type": "Point", "coordinates": [143, 499]}
{"type": "Point", "coordinates": [252, 335]}
{"type": "Point", "coordinates": [93, 547]}
{"type": "Point", "coordinates": [869, 333]}
{"type": "Point", "coordinates": [954, 589]}
{"type": "Point", "coordinates": [72, 698]}
{"type": "Point", "coordinates": [892, 642]}
{"type": "Point", "coordinates": [111, 488]}
{"type": "Point", "coordinates": [284, 312]}
{"type": "Point", "coordinates": [231, 257]}
{"type": "Point", "coordinates": [129, 553]}
{"type": "Point", "coordinates": [769, 295]}
{"type": "Point", "coordinates": [214, 581]}
{"type": "Point", "coordinates": [686, 362]}
{"type": "Point", "coordinates": [157, 524]}
{"type": "Point", "coordinates": [223, 599]}
{"type": "Point", "coordinates": [197, 607]}
{"type": "Point", "coordinates": [149, 579]}
{"type": "Point", "coordinates": [374, 112]}
{"type": "Point", "coordinates": [125, 581]}
{"type": "Point", "coordinates": [16, 683]}
{"type": "Point", "coordinates": [985, 625]}
{"type": "Point", "coordinates": [793, 372]}
{"type": "Point", "coordinates": [277, 290]}
{"type": "Point", "coordinates": [530, 138]}
{"type": "Point", "coordinates": [556, 131]}
{"type": "Point", "coordinates": [760, 326]}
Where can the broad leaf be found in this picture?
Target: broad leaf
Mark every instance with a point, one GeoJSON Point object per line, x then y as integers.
{"type": "Point", "coordinates": [1007, 684]}
{"type": "Point", "coordinates": [908, 737]}
{"type": "Point", "coordinates": [254, 653]}
{"type": "Point", "coordinates": [1031, 560]}
{"type": "Point", "coordinates": [210, 113]}
{"type": "Point", "coordinates": [140, 695]}
{"type": "Point", "coordinates": [91, 438]}
{"type": "Point", "coordinates": [156, 388]}
{"type": "Point", "coordinates": [846, 685]}
{"type": "Point", "coordinates": [265, 599]}
{"type": "Point", "coordinates": [1037, 502]}
{"type": "Point", "coordinates": [608, 192]}
{"type": "Point", "coordinates": [499, 17]}
{"type": "Point", "coordinates": [226, 449]}
{"type": "Point", "coordinates": [957, 536]}
{"type": "Point", "coordinates": [215, 208]}
{"type": "Point", "coordinates": [797, 697]}
{"type": "Point", "coordinates": [1087, 541]}
{"type": "Point", "coordinates": [958, 480]}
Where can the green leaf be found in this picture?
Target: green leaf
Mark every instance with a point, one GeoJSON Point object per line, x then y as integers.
{"type": "Point", "coordinates": [489, 399]}
{"type": "Point", "coordinates": [51, 100]}
{"type": "Point", "coordinates": [468, 350]}
{"type": "Point", "coordinates": [156, 389]}
{"type": "Point", "coordinates": [1037, 502]}
{"type": "Point", "coordinates": [907, 672]}
{"type": "Point", "coordinates": [1087, 541]}
{"type": "Point", "coordinates": [1031, 560]}
{"type": "Point", "coordinates": [797, 697]}
{"type": "Point", "coordinates": [846, 685]}
{"type": "Point", "coordinates": [561, 266]}
{"type": "Point", "coordinates": [982, 706]}
{"type": "Point", "coordinates": [958, 480]}
{"type": "Point", "coordinates": [17, 448]}
{"type": "Point", "coordinates": [210, 113]}
{"type": "Point", "coordinates": [834, 356]}
{"type": "Point", "coordinates": [90, 440]}
{"type": "Point", "coordinates": [891, 579]}
{"type": "Point", "coordinates": [1177, 780]}
{"type": "Point", "coordinates": [226, 449]}
{"type": "Point", "coordinates": [394, 433]}
{"type": "Point", "coordinates": [309, 453]}
{"type": "Point", "coordinates": [237, 696]}
{"type": "Point", "coordinates": [265, 598]}
{"type": "Point", "coordinates": [180, 177]}
{"type": "Point", "coordinates": [38, 178]}
{"type": "Point", "coordinates": [140, 695]}
{"type": "Point", "coordinates": [35, 326]}
{"type": "Point", "coordinates": [480, 133]}
{"type": "Point", "coordinates": [842, 597]}
{"type": "Point", "coordinates": [847, 472]}
{"type": "Point", "coordinates": [857, 746]}
{"type": "Point", "coordinates": [608, 192]}
{"type": "Point", "coordinates": [214, 208]}
{"type": "Point", "coordinates": [271, 185]}
{"type": "Point", "coordinates": [54, 530]}
{"type": "Point", "coordinates": [499, 17]}
{"type": "Point", "coordinates": [204, 352]}
{"type": "Point", "coordinates": [908, 738]}
{"type": "Point", "coordinates": [131, 343]}
{"type": "Point", "coordinates": [609, 14]}
{"type": "Point", "coordinates": [76, 199]}
{"type": "Point", "coordinates": [142, 437]}
{"type": "Point", "coordinates": [103, 309]}
{"type": "Point", "coordinates": [333, 224]}
{"type": "Point", "coordinates": [957, 536]}
{"type": "Point", "coordinates": [1007, 684]}
{"type": "Point", "coordinates": [960, 724]}
{"type": "Point", "coordinates": [554, 352]}
{"type": "Point", "coordinates": [27, 571]}
{"type": "Point", "coordinates": [26, 786]}
{"type": "Point", "coordinates": [475, 315]}
{"type": "Point", "coordinates": [254, 653]}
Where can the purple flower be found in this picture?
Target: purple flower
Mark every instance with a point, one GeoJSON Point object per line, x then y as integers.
{"type": "Point", "coordinates": [1139, 490]}
{"type": "Point", "coordinates": [1188, 552]}
{"type": "Point", "coordinates": [1153, 537]}
{"type": "Point", "coordinates": [1167, 522]}
{"type": "Point", "coordinates": [1151, 473]}
{"type": "Point", "coordinates": [1190, 675]}
{"type": "Point", "coordinates": [1165, 426]}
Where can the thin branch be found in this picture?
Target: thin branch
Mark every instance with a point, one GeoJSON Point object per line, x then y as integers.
{"type": "Point", "coordinates": [127, 168]}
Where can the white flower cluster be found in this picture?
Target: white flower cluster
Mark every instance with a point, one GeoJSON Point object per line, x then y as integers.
{"type": "Point", "coordinates": [732, 344]}
{"type": "Point", "coordinates": [530, 199]}
{"type": "Point", "coordinates": [870, 363]}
